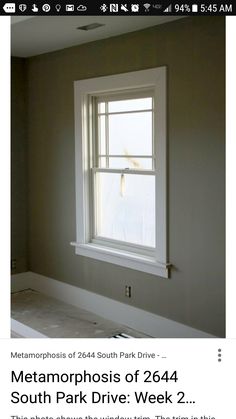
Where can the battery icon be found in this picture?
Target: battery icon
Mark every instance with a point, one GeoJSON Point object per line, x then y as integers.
{"type": "Point", "coordinates": [194, 8]}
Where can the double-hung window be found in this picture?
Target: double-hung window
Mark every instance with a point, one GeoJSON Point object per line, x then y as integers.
{"type": "Point", "coordinates": [120, 130]}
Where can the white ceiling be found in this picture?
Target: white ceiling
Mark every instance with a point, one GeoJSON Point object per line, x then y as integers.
{"type": "Point", "coordinates": [37, 35]}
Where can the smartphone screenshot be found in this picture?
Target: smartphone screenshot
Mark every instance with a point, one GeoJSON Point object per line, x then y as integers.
{"type": "Point", "coordinates": [117, 180]}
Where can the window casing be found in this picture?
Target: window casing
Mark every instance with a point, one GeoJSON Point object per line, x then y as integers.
{"type": "Point", "coordinates": [120, 139]}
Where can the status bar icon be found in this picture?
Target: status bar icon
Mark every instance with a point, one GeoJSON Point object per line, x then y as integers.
{"type": "Point", "coordinates": [168, 9]}
{"type": "Point", "coordinates": [9, 7]}
{"type": "Point", "coordinates": [22, 7]}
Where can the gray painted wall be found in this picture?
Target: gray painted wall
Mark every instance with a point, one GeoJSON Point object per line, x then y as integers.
{"type": "Point", "coordinates": [193, 50]}
{"type": "Point", "coordinates": [19, 196]}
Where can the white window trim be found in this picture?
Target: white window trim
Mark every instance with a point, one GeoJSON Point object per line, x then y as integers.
{"type": "Point", "coordinates": [155, 79]}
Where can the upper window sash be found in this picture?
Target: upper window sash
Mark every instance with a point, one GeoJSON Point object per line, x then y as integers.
{"type": "Point", "coordinates": [128, 105]}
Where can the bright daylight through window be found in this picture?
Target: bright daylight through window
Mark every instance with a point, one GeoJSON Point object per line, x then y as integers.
{"type": "Point", "coordinates": [124, 182]}
{"type": "Point", "coordinates": [121, 169]}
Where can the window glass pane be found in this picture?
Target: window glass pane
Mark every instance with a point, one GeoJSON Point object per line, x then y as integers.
{"type": "Point", "coordinates": [130, 134]}
{"type": "Point", "coordinates": [102, 162]}
{"type": "Point", "coordinates": [101, 107]}
{"type": "Point", "coordinates": [126, 208]}
{"type": "Point", "coordinates": [130, 105]}
{"type": "Point", "coordinates": [102, 134]}
{"type": "Point", "coordinates": [130, 163]}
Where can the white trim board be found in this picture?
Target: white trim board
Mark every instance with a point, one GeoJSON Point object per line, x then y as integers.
{"type": "Point", "coordinates": [23, 331]}
{"type": "Point", "coordinates": [88, 243]}
{"type": "Point", "coordinates": [135, 318]}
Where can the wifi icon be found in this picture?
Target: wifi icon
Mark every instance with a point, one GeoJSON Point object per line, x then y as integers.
{"type": "Point", "coordinates": [147, 7]}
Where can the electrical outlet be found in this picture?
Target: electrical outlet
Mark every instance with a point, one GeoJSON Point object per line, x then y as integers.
{"type": "Point", "coordinates": [128, 291]}
{"type": "Point", "coordinates": [13, 264]}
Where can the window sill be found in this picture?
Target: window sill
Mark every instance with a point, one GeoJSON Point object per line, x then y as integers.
{"type": "Point", "coordinates": [129, 260]}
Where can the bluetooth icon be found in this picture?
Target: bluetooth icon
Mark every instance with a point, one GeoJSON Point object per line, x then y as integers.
{"type": "Point", "coordinates": [104, 8]}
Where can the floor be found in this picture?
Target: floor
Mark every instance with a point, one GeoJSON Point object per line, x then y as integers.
{"type": "Point", "coordinates": [56, 319]}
